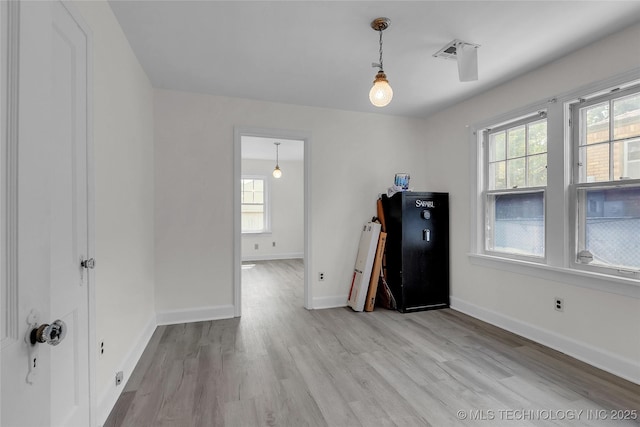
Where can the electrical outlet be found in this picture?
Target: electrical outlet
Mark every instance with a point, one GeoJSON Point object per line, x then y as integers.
{"type": "Point", "coordinates": [256, 246]}
{"type": "Point", "coordinates": [558, 304]}
{"type": "Point", "coordinates": [119, 377]}
{"type": "Point", "coordinates": [101, 348]}
{"type": "Point", "coordinates": [321, 276]}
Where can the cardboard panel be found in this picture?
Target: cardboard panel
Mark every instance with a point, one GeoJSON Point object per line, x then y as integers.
{"type": "Point", "coordinates": [364, 264]}
{"type": "Point", "coordinates": [375, 273]}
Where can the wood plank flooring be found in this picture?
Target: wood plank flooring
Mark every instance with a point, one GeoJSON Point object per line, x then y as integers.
{"type": "Point", "coordinates": [281, 365]}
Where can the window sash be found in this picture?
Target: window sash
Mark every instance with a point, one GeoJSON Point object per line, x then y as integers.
{"type": "Point", "coordinates": [579, 193]}
{"type": "Point", "coordinates": [489, 164]}
{"type": "Point", "coordinates": [490, 225]}
{"type": "Point", "coordinates": [579, 168]}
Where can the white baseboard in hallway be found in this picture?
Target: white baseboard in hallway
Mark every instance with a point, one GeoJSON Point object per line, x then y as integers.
{"type": "Point", "coordinates": [270, 257]}
{"type": "Point", "coordinates": [602, 359]}
{"type": "Point", "coordinates": [200, 314]}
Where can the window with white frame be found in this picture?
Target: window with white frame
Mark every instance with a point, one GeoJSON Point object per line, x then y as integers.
{"type": "Point", "coordinates": [254, 204]}
{"type": "Point", "coordinates": [558, 186]}
{"type": "Point", "coordinates": [515, 179]}
{"type": "Point", "coordinates": [606, 176]}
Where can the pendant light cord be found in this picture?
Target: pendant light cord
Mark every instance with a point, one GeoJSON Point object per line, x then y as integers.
{"type": "Point", "coordinates": [381, 67]}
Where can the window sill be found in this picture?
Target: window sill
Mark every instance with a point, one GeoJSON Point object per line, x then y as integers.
{"type": "Point", "coordinates": [254, 233]}
{"type": "Point", "coordinates": [584, 279]}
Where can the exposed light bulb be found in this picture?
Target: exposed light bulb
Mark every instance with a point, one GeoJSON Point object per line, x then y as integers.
{"type": "Point", "coordinates": [381, 93]}
{"type": "Point", "coordinates": [277, 173]}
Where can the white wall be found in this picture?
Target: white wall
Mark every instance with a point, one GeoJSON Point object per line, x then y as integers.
{"type": "Point", "coordinates": [354, 156]}
{"type": "Point", "coordinates": [123, 146]}
{"type": "Point", "coordinates": [286, 196]}
{"type": "Point", "coordinates": [596, 326]}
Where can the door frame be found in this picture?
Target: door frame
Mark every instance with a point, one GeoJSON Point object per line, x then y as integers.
{"type": "Point", "coordinates": [94, 352]}
{"type": "Point", "coordinates": [9, 110]}
{"type": "Point", "coordinates": [238, 133]}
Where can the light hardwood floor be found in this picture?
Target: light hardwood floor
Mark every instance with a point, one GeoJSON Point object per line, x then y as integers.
{"type": "Point", "coordinates": [281, 365]}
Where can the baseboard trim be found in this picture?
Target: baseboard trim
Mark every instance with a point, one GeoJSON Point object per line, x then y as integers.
{"type": "Point", "coordinates": [602, 359]}
{"type": "Point", "coordinates": [320, 303]}
{"type": "Point", "coordinates": [110, 394]}
{"type": "Point", "coordinates": [200, 314]}
{"type": "Point", "coordinates": [271, 257]}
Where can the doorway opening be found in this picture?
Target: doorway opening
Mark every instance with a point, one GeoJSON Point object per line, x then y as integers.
{"type": "Point", "coordinates": [271, 215]}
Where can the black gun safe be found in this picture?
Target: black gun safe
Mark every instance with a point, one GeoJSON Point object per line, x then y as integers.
{"type": "Point", "coordinates": [417, 249]}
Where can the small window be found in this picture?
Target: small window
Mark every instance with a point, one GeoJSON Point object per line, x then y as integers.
{"type": "Point", "coordinates": [607, 181]}
{"type": "Point", "coordinates": [516, 177]}
{"type": "Point", "coordinates": [254, 209]}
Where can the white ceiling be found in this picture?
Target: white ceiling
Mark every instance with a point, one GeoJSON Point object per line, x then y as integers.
{"type": "Point", "coordinates": [264, 149]}
{"type": "Point", "coordinates": [319, 53]}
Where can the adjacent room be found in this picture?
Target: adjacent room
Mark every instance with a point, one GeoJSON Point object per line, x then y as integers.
{"type": "Point", "coordinates": [186, 187]}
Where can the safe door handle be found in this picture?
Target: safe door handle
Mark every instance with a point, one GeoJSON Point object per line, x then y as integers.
{"type": "Point", "coordinates": [426, 234]}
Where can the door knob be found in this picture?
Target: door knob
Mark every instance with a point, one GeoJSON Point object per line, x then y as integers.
{"type": "Point", "coordinates": [51, 334]}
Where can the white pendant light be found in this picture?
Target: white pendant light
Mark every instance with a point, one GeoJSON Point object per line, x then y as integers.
{"type": "Point", "coordinates": [381, 93]}
{"type": "Point", "coordinates": [277, 173]}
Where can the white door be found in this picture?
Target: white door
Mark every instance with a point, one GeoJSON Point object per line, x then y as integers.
{"type": "Point", "coordinates": [47, 238]}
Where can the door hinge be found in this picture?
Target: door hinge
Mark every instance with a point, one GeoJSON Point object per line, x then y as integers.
{"type": "Point", "coordinates": [88, 263]}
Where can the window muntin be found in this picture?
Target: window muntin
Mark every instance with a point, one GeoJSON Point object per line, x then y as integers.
{"type": "Point", "coordinates": [516, 169]}
{"type": "Point", "coordinates": [607, 182]}
{"type": "Point", "coordinates": [253, 205]}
